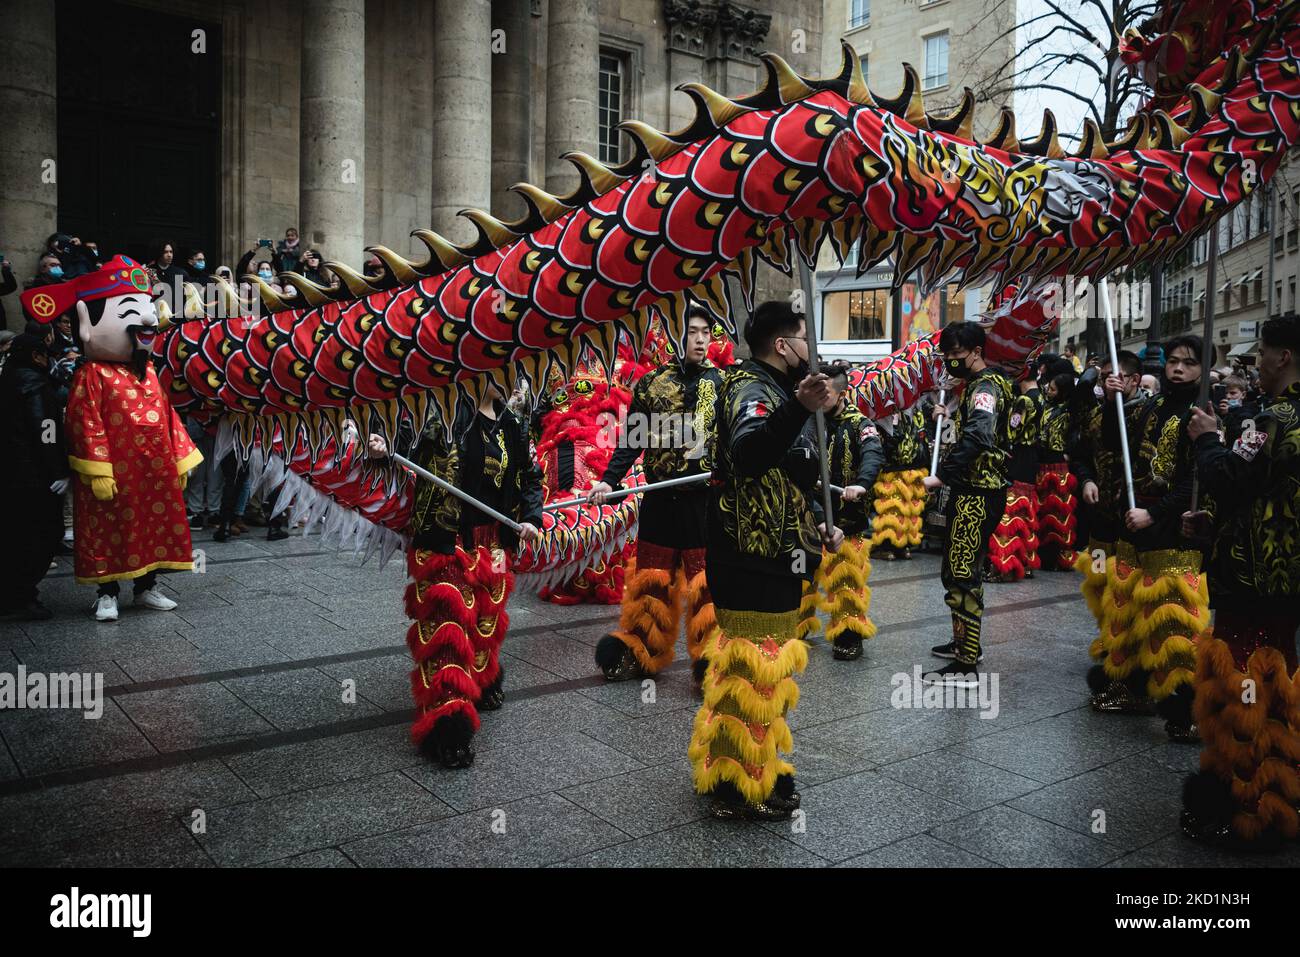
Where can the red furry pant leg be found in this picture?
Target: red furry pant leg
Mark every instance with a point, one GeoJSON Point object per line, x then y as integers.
{"type": "Point", "coordinates": [1056, 519]}
{"type": "Point", "coordinates": [1013, 546]}
{"type": "Point", "coordinates": [652, 597]}
{"type": "Point", "coordinates": [441, 601]}
{"type": "Point", "coordinates": [493, 582]}
{"type": "Point", "coordinates": [458, 617]}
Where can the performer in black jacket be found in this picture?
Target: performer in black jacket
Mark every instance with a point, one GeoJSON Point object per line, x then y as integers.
{"type": "Point", "coordinates": [840, 587]}
{"type": "Point", "coordinates": [763, 543]}
{"type": "Point", "coordinates": [1246, 673]}
{"type": "Point", "coordinates": [670, 420]}
{"type": "Point", "coordinates": [460, 569]}
{"type": "Point", "coordinates": [976, 470]}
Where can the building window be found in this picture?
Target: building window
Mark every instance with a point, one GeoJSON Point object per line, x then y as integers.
{"type": "Point", "coordinates": [1258, 278]}
{"type": "Point", "coordinates": [865, 74]}
{"type": "Point", "coordinates": [613, 92]}
{"type": "Point", "coordinates": [859, 13]}
{"type": "Point", "coordinates": [1290, 294]}
{"type": "Point", "coordinates": [936, 61]}
{"type": "Point", "coordinates": [1277, 298]}
{"type": "Point", "coordinates": [857, 314]}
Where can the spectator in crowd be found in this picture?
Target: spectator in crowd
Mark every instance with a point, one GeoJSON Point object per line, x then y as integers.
{"type": "Point", "coordinates": [313, 268]}
{"type": "Point", "coordinates": [288, 252]}
{"type": "Point", "coordinates": [1150, 384]}
{"type": "Point", "coordinates": [203, 493]}
{"type": "Point", "coordinates": [75, 258]}
{"type": "Point", "coordinates": [7, 337]}
{"type": "Point", "coordinates": [164, 268]}
{"type": "Point", "coordinates": [196, 268]}
{"type": "Point", "coordinates": [8, 284]}
{"type": "Point", "coordinates": [49, 270]}
{"type": "Point", "coordinates": [64, 356]}
{"type": "Point", "coordinates": [1074, 359]}
{"type": "Point", "coordinates": [33, 480]}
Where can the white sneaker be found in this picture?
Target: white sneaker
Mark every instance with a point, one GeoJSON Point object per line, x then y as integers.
{"type": "Point", "coordinates": [153, 598]}
{"type": "Point", "coordinates": [106, 608]}
{"type": "Point", "coordinates": [67, 536]}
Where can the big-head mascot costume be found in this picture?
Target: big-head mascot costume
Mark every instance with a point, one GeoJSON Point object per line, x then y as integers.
{"type": "Point", "coordinates": [125, 443]}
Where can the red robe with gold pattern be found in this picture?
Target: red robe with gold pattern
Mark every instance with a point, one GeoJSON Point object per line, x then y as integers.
{"type": "Point", "coordinates": [120, 426]}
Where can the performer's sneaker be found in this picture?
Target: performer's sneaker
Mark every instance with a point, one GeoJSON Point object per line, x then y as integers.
{"type": "Point", "coordinates": [494, 695]}
{"type": "Point", "coordinates": [617, 662]}
{"type": "Point", "coordinates": [950, 651]}
{"type": "Point", "coordinates": [956, 674]}
{"type": "Point", "coordinates": [154, 599]}
{"type": "Point", "coordinates": [729, 808]}
{"type": "Point", "coordinates": [847, 652]}
{"type": "Point", "coordinates": [105, 608]}
{"type": "Point", "coordinates": [1119, 699]}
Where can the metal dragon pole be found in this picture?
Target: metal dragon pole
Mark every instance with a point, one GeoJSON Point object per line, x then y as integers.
{"type": "Point", "coordinates": [446, 486]}
{"type": "Point", "coordinates": [652, 487]}
{"type": "Point", "coordinates": [938, 430]}
{"type": "Point", "coordinates": [1207, 336]}
{"type": "Point", "coordinates": [810, 324]}
{"type": "Point", "coordinates": [1119, 396]}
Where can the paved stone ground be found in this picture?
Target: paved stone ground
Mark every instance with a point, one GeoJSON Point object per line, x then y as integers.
{"type": "Point", "coordinates": [232, 705]}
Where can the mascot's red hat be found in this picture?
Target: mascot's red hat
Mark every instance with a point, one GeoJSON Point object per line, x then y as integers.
{"type": "Point", "coordinates": [117, 277]}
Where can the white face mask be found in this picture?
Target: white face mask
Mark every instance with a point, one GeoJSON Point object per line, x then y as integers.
{"type": "Point", "coordinates": [1099, 392]}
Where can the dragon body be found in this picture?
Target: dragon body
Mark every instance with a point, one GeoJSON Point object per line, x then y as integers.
{"type": "Point", "coordinates": [766, 177]}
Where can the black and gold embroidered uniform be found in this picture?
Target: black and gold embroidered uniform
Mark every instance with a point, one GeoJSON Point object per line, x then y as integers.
{"type": "Point", "coordinates": [1056, 485]}
{"type": "Point", "coordinates": [840, 587]}
{"type": "Point", "coordinates": [1159, 599]}
{"type": "Point", "coordinates": [1013, 546]}
{"type": "Point", "coordinates": [763, 544]}
{"type": "Point", "coordinates": [669, 424]}
{"type": "Point", "coordinates": [1249, 783]}
{"type": "Point", "coordinates": [460, 572]}
{"type": "Point", "coordinates": [976, 471]}
{"type": "Point", "coordinates": [898, 492]}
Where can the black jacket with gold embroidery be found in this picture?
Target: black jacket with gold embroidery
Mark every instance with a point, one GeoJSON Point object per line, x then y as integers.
{"type": "Point", "coordinates": [978, 459]}
{"type": "Point", "coordinates": [906, 442]}
{"type": "Point", "coordinates": [1022, 426]}
{"type": "Point", "coordinates": [763, 512]}
{"type": "Point", "coordinates": [664, 402]}
{"type": "Point", "coordinates": [1256, 483]}
{"type": "Point", "coordinates": [1093, 460]}
{"type": "Point", "coordinates": [1163, 464]}
{"type": "Point", "coordinates": [856, 456]}
{"type": "Point", "coordinates": [1053, 431]}
{"type": "Point", "coordinates": [490, 460]}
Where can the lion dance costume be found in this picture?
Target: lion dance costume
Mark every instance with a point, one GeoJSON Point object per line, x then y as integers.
{"type": "Point", "coordinates": [460, 574]}
{"type": "Point", "coordinates": [1247, 704]}
{"type": "Point", "coordinates": [1056, 486]}
{"type": "Point", "coordinates": [1013, 546]}
{"type": "Point", "coordinates": [1156, 603]}
{"type": "Point", "coordinates": [839, 588]}
{"type": "Point", "coordinates": [670, 405]}
{"type": "Point", "coordinates": [899, 494]}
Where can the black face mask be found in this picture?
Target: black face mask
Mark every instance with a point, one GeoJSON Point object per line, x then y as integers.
{"type": "Point", "coordinates": [798, 372]}
{"type": "Point", "coordinates": [957, 368]}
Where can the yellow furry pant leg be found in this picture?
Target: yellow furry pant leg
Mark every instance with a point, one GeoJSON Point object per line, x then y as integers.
{"type": "Point", "coordinates": [1171, 611]}
{"type": "Point", "coordinates": [900, 503]}
{"type": "Point", "coordinates": [842, 581]}
{"type": "Point", "coordinates": [1091, 563]}
{"type": "Point", "coordinates": [1116, 647]}
{"type": "Point", "coordinates": [748, 689]}
{"type": "Point", "coordinates": [809, 624]}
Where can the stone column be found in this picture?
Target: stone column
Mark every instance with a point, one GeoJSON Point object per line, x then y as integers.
{"type": "Point", "coordinates": [29, 193]}
{"type": "Point", "coordinates": [462, 114]}
{"type": "Point", "coordinates": [572, 87]}
{"type": "Point", "coordinates": [332, 208]}
{"type": "Point", "coordinates": [512, 103]}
